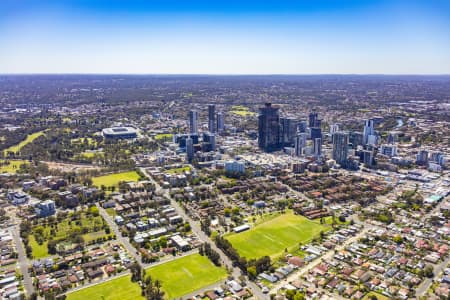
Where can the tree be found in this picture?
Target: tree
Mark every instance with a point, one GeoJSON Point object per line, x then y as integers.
{"type": "Point", "coordinates": [299, 296]}
{"type": "Point", "coordinates": [251, 271]}
{"type": "Point", "coordinates": [94, 211]}
{"type": "Point", "coordinates": [51, 246]}
{"type": "Point", "coordinates": [398, 239]}
{"type": "Point", "coordinates": [163, 242]}
{"type": "Point", "coordinates": [152, 289]}
{"type": "Point", "coordinates": [428, 271]}
{"type": "Point", "coordinates": [136, 272]}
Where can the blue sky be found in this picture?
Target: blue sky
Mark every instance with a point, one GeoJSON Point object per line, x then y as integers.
{"type": "Point", "coordinates": [225, 37]}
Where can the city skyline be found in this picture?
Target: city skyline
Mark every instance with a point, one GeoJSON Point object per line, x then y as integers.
{"type": "Point", "coordinates": [324, 37]}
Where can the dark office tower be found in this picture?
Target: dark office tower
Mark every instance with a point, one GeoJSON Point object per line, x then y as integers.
{"type": "Point", "coordinates": [317, 147]}
{"type": "Point", "coordinates": [369, 130]}
{"type": "Point", "coordinates": [180, 139]}
{"type": "Point", "coordinates": [355, 138]}
{"type": "Point", "coordinates": [316, 133]}
{"type": "Point", "coordinates": [422, 157]}
{"type": "Point", "coordinates": [288, 131]}
{"type": "Point", "coordinates": [209, 142]}
{"type": "Point", "coordinates": [313, 119]}
{"type": "Point", "coordinates": [340, 147]}
{"type": "Point", "coordinates": [300, 143]}
{"type": "Point", "coordinates": [220, 122]}
{"type": "Point", "coordinates": [301, 126]}
{"type": "Point", "coordinates": [189, 149]}
{"type": "Point", "coordinates": [269, 128]}
{"type": "Point", "coordinates": [368, 158]}
{"type": "Point", "coordinates": [193, 121]}
{"type": "Point", "coordinates": [212, 118]}
{"type": "Point", "coordinates": [212, 141]}
{"type": "Point", "coordinates": [392, 138]}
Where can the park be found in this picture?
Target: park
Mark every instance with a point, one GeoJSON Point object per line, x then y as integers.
{"type": "Point", "coordinates": [85, 224]}
{"type": "Point", "coordinates": [112, 180]}
{"type": "Point", "coordinates": [274, 235]}
{"type": "Point", "coordinates": [187, 274]}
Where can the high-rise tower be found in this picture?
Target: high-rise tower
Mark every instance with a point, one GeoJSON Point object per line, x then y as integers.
{"type": "Point", "coordinates": [212, 118]}
{"type": "Point", "coordinates": [269, 128]}
{"type": "Point", "coordinates": [193, 121]}
{"type": "Point", "coordinates": [340, 147]}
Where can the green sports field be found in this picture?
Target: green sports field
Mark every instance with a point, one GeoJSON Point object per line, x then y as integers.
{"type": "Point", "coordinates": [114, 179]}
{"type": "Point", "coordinates": [272, 237]}
{"type": "Point", "coordinates": [117, 289]}
{"type": "Point", "coordinates": [185, 275]}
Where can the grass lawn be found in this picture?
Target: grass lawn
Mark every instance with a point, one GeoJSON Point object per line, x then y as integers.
{"type": "Point", "coordinates": [185, 275]}
{"type": "Point", "coordinates": [114, 179]}
{"type": "Point", "coordinates": [241, 111]}
{"type": "Point", "coordinates": [12, 167]}
{"type": "Point", "coordinates": [163, 136]}
{"type": "Point", "coordinates": [38, 251]}
{"type": "Point", "coordinates": [179, 170]}
{"type": "Point", "coordinates": [91, 154]}
{"type": "Point", "coordinates": [111, 211]}
{"type": "Point", "coordinates": [117, 289]}
{"type": "Point", "coordinates": [89, 141]}
{"type": "Point", "coordinates": [379, 296]}
{"type": "Point", "coordinates": [95, 235]}
{"type": "Point", "coordinates": [273, 236]}
{"type": "Point", "coordinates": [30, 138]}
{"type": "Point", "coordinates": [329, 220]}
{"type": "Point", "coordinates": [66, 226]}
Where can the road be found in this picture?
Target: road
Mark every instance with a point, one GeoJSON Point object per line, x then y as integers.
{"type": "Point", "coordinates": [426, 283]}
{"type": "Point", "coordinates": [203, 290]}
{"type": "Point", "coordinates": [23, 260]}
{"type": "Point", "coordinates": [328, 255]}
{"type": "Point", "coordinates": [85, 286]}
{"type": "Point", "coordinates": [195, 226]}
{"type": "Point", "coordinates": [124, 240]}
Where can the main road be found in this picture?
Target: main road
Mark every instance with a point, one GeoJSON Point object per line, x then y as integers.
{"type": "Point", "coordinates": [124, 240]}
{"type": "Point", "coordinates": [195, 226]}
{"type": "Point", "coordinates": [23, 260]}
